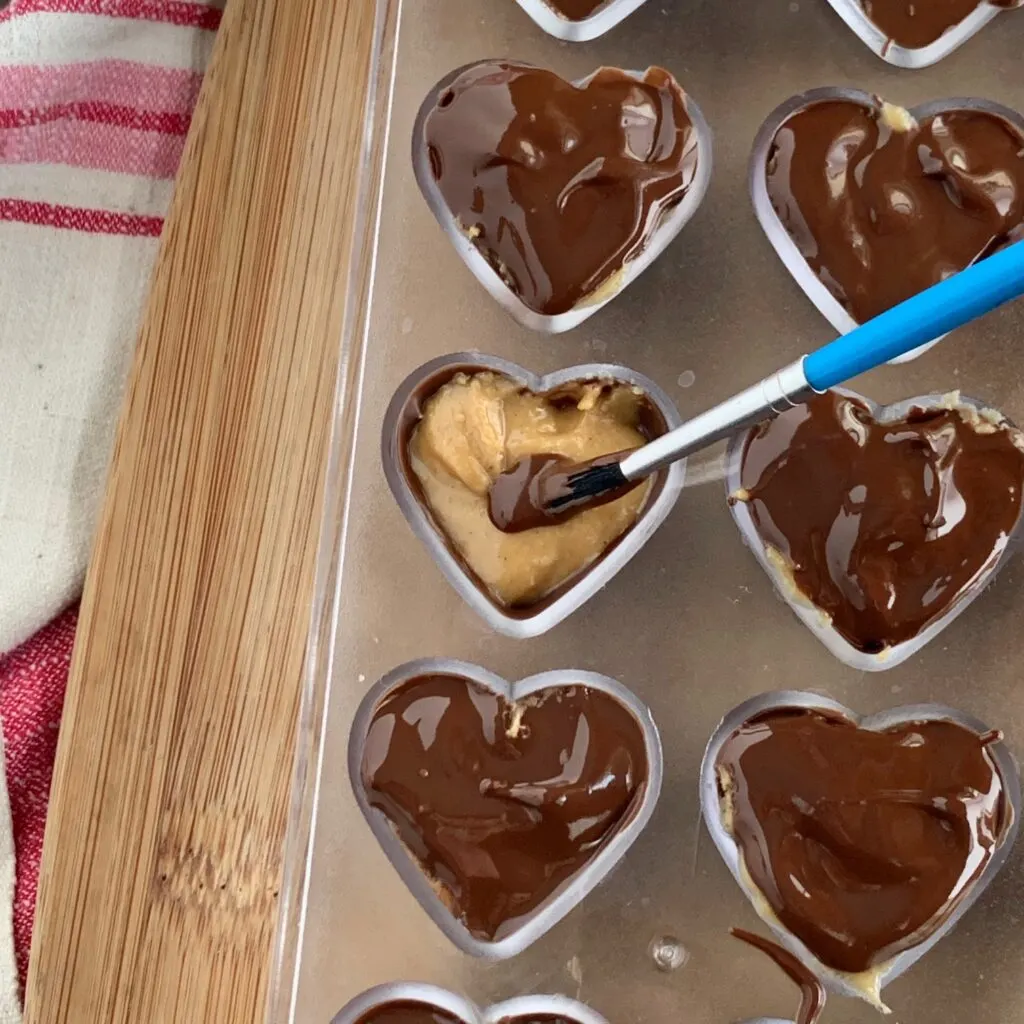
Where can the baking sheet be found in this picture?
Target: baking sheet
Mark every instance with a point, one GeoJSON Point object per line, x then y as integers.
{"type": "Point", "coordinates": [692, 625]}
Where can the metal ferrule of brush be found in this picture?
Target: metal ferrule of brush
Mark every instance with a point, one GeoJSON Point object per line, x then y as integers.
{"type": "Point", "coordinates": [780, 391]}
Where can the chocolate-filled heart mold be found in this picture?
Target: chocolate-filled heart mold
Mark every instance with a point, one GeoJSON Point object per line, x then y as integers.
{"type": "Point", "coordinates": [860, 841]}
{"type": "Point", "coordinates": [868, 204]}
{"type": "Point", "coordinates": [555, 194]}
{"type": "Point", "coordinates": [501, 805]}
{"type": "Point", "coordinates": [412, 1002]}
{"type": "Point", "coordinates": [579, 21]}
{"type": "Point", "coordinates": [917, 33]}
{"type": "Point", "coordinates": [879, 525]}
{"type": "Point", "coordinates": [458, 421]}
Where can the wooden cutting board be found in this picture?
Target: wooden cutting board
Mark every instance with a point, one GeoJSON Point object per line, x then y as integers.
{"type": "Point", "coordinates": [162, 861]}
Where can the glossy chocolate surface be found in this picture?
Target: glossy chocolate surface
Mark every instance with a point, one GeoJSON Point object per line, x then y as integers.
{"type": "Point", "coordinates": [501, 803]}
{"type": "Point", "coordinates": [880, 213]}
{"type": "Point", "coordinates": [407, 1011]}
{"type": "Point", "coordinates": [861, 842]}
{"type": "Point", "coordinates": [917, 23]}
{"type": "Point", "coordinates": [560, 186]}
{"type": "Point", "coordinates": [812, 992]}
{"type": "Point", "coordinates": [883, 525]}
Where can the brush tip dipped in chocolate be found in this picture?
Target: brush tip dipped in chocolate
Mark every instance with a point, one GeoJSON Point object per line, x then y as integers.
{"type": "Point", "coordinates": [501, 802]}
{"type": "Point", "coordinates": [545, 490]}
{"type": "Point", "coordinates": [861, 842]}
{"type": "Point", "coordinates": [560, 186]}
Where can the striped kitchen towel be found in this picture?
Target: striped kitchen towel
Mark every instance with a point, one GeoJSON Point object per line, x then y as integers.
{"type": "Point", "coordinates": [95, 100]}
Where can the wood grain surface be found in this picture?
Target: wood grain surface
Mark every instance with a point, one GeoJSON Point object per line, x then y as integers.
{"type": "Point", "coordinates": [162, 860]}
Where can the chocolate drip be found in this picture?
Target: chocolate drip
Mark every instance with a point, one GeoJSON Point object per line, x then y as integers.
{"type": "Point", "coordinates": [812, 992]}
{"type": "Point", "coordinates": [862, 843]}
{"type": "Point", "coordinates": [884, 526]}
{"type": "Point", "coordinates": [501, 803]}
{"type": "Point", "coordinates": [558, 186]}
{"type": "Point", "coordinates": [881, 213]}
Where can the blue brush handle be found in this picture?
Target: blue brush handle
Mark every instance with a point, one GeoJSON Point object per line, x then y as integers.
{"type": "Point", "coordinates": [923, 318]}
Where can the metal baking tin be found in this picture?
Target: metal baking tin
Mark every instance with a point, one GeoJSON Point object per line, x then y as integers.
{"type": "Point", "coordinates": [878, 42]}
{"type": "Point", "coordinates": [604, 19]}
{"type": "Point", "coordinates": [837, 981]}
{"type": "Point", "coordinates": [549, 612]}
{"type": "Point", "coordinates": [532, 926]}
{"type": "Point", "coordinates": [671, 223]}
{"type": "Point", "coordinates": [808, 612]}
{"type": "Point", "coordinates": [828, 305]}
{"type": "Point", "coordinates": [510, 1010]}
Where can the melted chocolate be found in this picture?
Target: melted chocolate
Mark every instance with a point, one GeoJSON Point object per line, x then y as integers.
{"type": "Point", "coordinates": [879, 214]}
{"type": "Point", "coordinates": [408, 1011]}
{"type": "Point", "coordinates": [501, 804]}
{"type": "Point", "coordinates": [535, 1018]}
{"type": "Point", "coordinates": [861, 842]}
{"type": "Point", "coordinates": [917, 23]}
{"type": "Point", "coordinates": [885, 526]}
{"type": "Point", "coordinates": [560, 186]}
{"type": "Point", "coordinates": [812, 992]}
{"type": "Point", "coordinates": [411, 1012]}
{"type": "Point", "coordinates": [536, 491]}
{"type": "Point", "coordinates": [571, 10]}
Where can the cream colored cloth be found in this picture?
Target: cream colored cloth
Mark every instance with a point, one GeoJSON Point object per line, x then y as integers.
{"type": "Point", "coordinates": [93, 113]}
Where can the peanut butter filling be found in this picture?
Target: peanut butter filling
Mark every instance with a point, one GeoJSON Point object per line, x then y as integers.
{"type": "Point", "coordinates": [477, 426]}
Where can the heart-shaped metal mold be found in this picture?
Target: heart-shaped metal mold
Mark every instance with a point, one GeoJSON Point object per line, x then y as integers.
{"type": "Point", "coordinates": [601, 19]}
{"type": "Point", "coordinates": [809, 613]}
{"type": "Point", "coordinates": [521, 932]}
{"type": "Point", "coordinates": [786, 248]}
{"type": "Point", "coordinates": [399, 421]}
{"type": "Point", "coordinates": [672, 221]}
{"type": "Point", "coordinates": [868, 987]}
{"type": "Point", "coordinates": [520, 1010]}
{"type": "Point", "coordinates": [913, 57]}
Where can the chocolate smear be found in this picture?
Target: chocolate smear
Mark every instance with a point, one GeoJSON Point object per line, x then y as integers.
{"type": "Point", "coordinates": [538, 491]}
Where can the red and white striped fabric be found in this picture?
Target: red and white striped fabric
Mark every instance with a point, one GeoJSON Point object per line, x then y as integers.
{"type": "Point", "coordinates": [96, 97]}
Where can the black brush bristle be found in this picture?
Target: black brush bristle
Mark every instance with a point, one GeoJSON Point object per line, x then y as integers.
{"type": "Point", "coordinates": [588, 484]}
